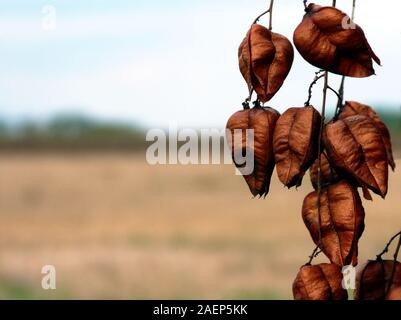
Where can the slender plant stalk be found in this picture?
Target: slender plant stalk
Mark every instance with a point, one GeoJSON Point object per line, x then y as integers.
{"type": "Point", "coordinates": [260, 16]}
{"type": "Point", "coordinates": [319, 151]}
{"type": "Point", "coordinates": [268, 11]}
{"type": "Point", "coordinates": [271, 15]}
{"type": "Point", "coordinates": [341, 90]}
{"type": "Point", "coordinates": [385, 250]}
{"type": "Point", "coordinates": [319, 169]}
{"type": "Point", "coordinates": [318, 76]}
{"type": "Point", "coordinates": [397, 250]}
{"type": "Point", "coordinates": [314, 254]}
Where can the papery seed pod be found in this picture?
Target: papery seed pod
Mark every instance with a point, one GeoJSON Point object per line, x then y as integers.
{"type": "Point", "coordinates": [265, 59]}
{"type": "Point", "coordinates": [319, 282]}
{"type": "Point", "coordinates": [352, 108]}
{"type": "Point", "coordinates": [354, 145]}
{"type": "Point", "coordinates": [373, 281]}
{"type": "Point", "coordinates": [328, 173]}
{"type": "Point", "coordinates": [295, 143]}
{"type": "Point", "coordinates": [341, 221]}
{"type": "Point", "coordinates": [262, 121]}
{"type": "Point", "coordinates": [324, 42]}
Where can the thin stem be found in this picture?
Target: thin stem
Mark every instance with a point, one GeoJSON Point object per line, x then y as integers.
{"type": "Point", "coordinates": [319, 151]}
{"type": "Point", "coordinates": [270, 11]}
{"type": "Point", "coordinates": [385, 250]}
{"type": "Point", "coordinates": [318, 76]}
{"type": "Point", "coordinates": [314, 254]}
{"type": "Point", "coordinates": [260, 16]}
{"type": "Point", "coordinates": [341, 90]}
{"type": "Point", "coordinates": [339, 106]}
{"type": "Point", "coordinates": [334, 91]}
{"type": "Point", "coordinates": [397, 250]}
{"type": "Point", "coordinates": [271, 15]}
{"type": "Point", "coordinates": [320, 145]}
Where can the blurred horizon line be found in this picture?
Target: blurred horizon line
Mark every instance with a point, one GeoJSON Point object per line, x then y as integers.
{"type": "Point", "coordinates": [15, 120]}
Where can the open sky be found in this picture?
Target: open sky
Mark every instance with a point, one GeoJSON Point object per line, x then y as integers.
{"type": "Point", "coordinates": [157, 62]}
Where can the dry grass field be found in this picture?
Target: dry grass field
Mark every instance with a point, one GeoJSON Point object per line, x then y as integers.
{"type": "Point", "coordinates": [115, 227]}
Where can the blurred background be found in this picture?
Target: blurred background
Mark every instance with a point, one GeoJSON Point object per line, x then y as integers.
{"type": "Point", "coordinates": [80, 85]}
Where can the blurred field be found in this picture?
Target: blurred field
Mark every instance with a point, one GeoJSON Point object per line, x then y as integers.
{"type": "Point", "coordinates": [115, 227]}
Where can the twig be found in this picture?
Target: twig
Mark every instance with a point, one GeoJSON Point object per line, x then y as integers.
{"type": "Point", "coordinates": [385, 250]}
{"type": "Point", "coordinates": [260, 16]}
{"type": "Point", "coordinates": [397, 250]}
{"type": "Point", "coordinates": [318, 76]}
{"type": "Point", "coordinates": [270, 11]}
{"type": "Point", "coordinates": [314, 254]}
{"type": "Point", "coordinates": [341, 90]}
{"type": "Point", "coordinates": [319, 151]}
{"type": "Point", "coordinates": [271, 15]}
{"type": "Point", "coordinates": [335, 92]}
{"type": "Point", "coordinates": [319, 169]}
{"type": "Point", "coordinates": [339, 106]}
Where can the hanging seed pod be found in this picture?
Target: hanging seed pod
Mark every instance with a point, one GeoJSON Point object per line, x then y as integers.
{"type": "Point", "coordinates": [354, 145]}
{"type": "Point", "coordinates": [341, 221]}
{"type": "Point", "coordinates": [352, 108]}
{"type": "Point", "coordinates": [324, 42]}
{"type": "Point", "coordinates": [320, 282]}
{"type": "Point", "coordinates": [265, 59]}
{"type": "Point", "coordinates": [373, 281]}
{"type": "Point", "coordinates": [328, 174]}
{"type": "Point", "coordinates": [295, 143]}
{"type": "Point", "coordinates": [262, 121]}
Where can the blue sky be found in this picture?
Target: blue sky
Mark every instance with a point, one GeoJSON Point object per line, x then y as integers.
{"type": "Point", "coordinates": [162, 62]}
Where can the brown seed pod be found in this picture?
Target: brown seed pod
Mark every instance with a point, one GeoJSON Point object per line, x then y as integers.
{"type": "Point", "coordinates": [324, 42]}
{"type": "Point", "coordinates": [352, 108]}
{"type": "Point", "coordinates": [354, 145]}
{"type": "Point", "coordinates": [319, 282]}
{"type": "Point", "coordinates": [329, 176]}
{"type": "Point", "coordinates": [342, 221]}
{"type": "Point", "coordinates": [295, 143]}
{"type": "Point", "coordinates": [373, 281]}
{"type": "Point", "coordinates": [265, 59]}
{"type": "Point", "coordinates": [328, 173]}
{"type": "Point", "coordinates": [262, 121]}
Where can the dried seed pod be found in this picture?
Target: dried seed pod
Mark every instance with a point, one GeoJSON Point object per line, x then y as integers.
{"type": "Point", "coordinates": [295, 143]}
{"type": "Point", "coordinates": [323, 41]}
{"type": "Point", "coordinates": [262, 121]}
{"type": "Point", "coordinates": [265, 59]}
{"type": "Point", "coordinates": [352, 108]}
{"type": "Point", "coordinates": [319, 282]}
{"type": "Point", "coordinates": [354, 145]}
{"type": "Point", "coordinates": [341, 221]}
{"type": "Point", "coordinates": [328, 174]}
{"type": "Point", "coordinates": [373, 281]}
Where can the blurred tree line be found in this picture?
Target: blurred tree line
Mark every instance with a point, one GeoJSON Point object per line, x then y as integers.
{"type": "Point", "coordinates": [71, 133]}
{"type": "Point", "coordinates": [79, 133]}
